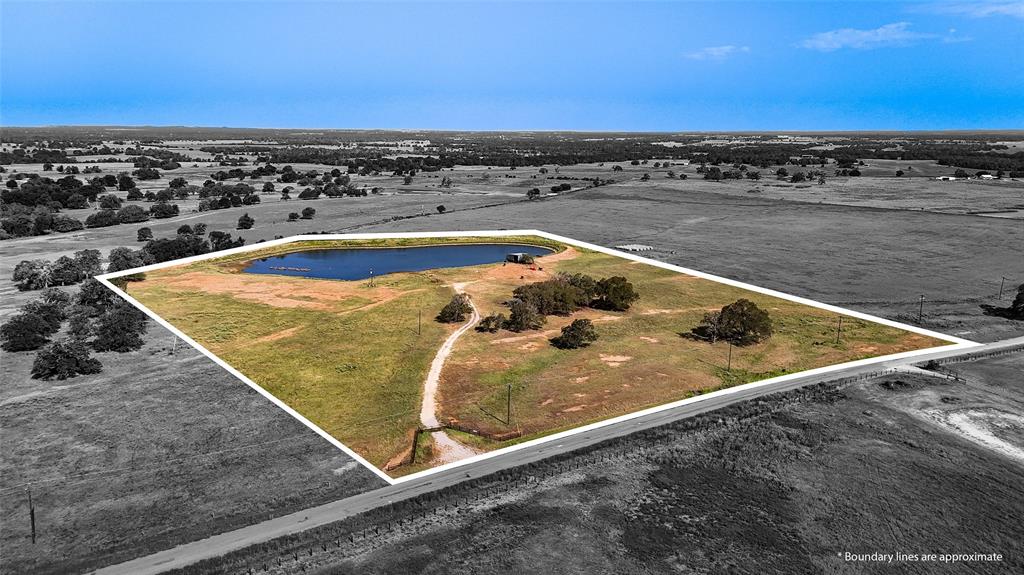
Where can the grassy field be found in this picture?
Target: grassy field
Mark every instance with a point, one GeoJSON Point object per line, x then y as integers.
{"type": "Point", "coordinates": [785, 484]}
{"type": "Point", "coordinates": [347, 355]}
{"type": "Point", "coordinates": [353, 365]}
{"type": "Point", "coordinates": [873, 243]}
{"type": "Point", "coordinates": [641, 358]}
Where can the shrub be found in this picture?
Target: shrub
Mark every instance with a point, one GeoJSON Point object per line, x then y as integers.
{"type": "Point", "coordinates": [135, 195]}
{"type": "Point", "coordinates": [523, 316]}
{"type": "Point", "coordinates": [579, 333]}
{"type": "Point", "coordinates": [147, 174]}
{"type": "Point", "coordinates": [245, 222]}
{"type": "Point", "coordinates": [163, 210]}
{"type": "Point", "coordinates": [76, 202]}
{"type": "Point", "coordinates": [65, 272]}
{"type": "Point", "coordinates": [80, 324]}
{"type": "Point", "coordinates": [615, 293]}
{"type": "Point", "coordinates": [222, 241]}
{"type": "Point", "coordinates": [64, 224]}
{"type": "Point", "coordinates": [124, 182]}
{"type": "Point", "coordinates": [32, 274]}
{"type": "Point", "coordinates": [121, 259]}
{"type": "Point", "coordinates": [455, 310]}
{"type": "Point", "coordinates": [24, 332]}
{"type": "Point", "coordinates": [293, 216]}
{"type": "Point", "coordinates": [120, 328]}
{"type": "Point", "coordinates": [95, 295]}
{"type": "Point", "coordinates": [64, 360]}
{"type": "Point", "coordinates": [492, 323]}
{"type": "Point", "coordinates": [132, 214]}
{"type": "Point", "coordinates": [110, 202]}
{"type": "Point", "coordinates": [102, 219]}
{"type": "Point", "coordinates": [308, 213]}
{"type": "Point", "coordinates": [551, 297]}
{"type": "Point", "coordinates": [144, 235]}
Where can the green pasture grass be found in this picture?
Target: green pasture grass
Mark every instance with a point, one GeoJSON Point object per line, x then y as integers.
{"type": "Point", "coordinates": [357, 375]}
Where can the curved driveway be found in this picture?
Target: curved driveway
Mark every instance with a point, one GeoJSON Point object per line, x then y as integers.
{"type": "Point", "coordinates": [448, 450]}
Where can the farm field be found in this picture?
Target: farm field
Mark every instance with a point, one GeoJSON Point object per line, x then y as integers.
{"type": "Point", "coordinates": [786, 484]}
{"type": "Point", "coordinates": [874, 244]}
{"type": "Point", "coordinates": [350, 357]}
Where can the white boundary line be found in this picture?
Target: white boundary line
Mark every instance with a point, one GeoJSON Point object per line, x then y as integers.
{"type": "Point", "coordinates": [957, 343]}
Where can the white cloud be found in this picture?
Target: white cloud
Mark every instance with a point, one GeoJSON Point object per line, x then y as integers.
{"type": "Point", "coordinates": [717, 52]}
{"type": "Point", "coordinates": [981, 9]}
{"type": "Point", "coordinates": [896, 34]}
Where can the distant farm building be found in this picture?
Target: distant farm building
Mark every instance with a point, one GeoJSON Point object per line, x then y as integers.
{"type": "Point", "coordinates": [634, 248]}
{"type": "Point", "coordinates": [947, 178]}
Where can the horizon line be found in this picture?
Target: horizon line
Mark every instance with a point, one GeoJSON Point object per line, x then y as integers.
{"type": "Point", "coordinates": [523, 130]}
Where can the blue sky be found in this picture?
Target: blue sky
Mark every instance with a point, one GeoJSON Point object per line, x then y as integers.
{"type": "Point", "coordinates": [648, 66]}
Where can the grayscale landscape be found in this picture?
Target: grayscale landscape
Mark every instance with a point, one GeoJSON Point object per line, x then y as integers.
{"type": "Point", "coordinates": [131, 465]}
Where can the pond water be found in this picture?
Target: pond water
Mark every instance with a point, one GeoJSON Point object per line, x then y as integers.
{"type": "Point", "coordinates": [359, 263]}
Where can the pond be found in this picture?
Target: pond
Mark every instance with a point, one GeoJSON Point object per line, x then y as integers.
{"type": "Point", "coordinates": [360, 263]}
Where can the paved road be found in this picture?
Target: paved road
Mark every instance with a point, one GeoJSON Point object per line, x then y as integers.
{"type": "Point", "coordinates": [328, 513]}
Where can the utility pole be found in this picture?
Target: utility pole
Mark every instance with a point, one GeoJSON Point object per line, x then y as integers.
{"type": "Point", "coordinates": [839, 329]}
{"type": "Point", "coordinates": [1002, 282]}
{"type": "Point", "coordinates": [31, 513]}
{"type": "Point", "coordinates": [920, 309]}
{"type": "Point", "coordinates": [729, 368]}
{"type": "Point", "coordinates": [508, 406]}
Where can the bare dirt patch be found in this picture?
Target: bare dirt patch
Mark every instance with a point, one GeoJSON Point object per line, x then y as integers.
{"type": "Point", "coordinates": [615, 360]}
{"type": "Point", "coordinates": [280, 291]}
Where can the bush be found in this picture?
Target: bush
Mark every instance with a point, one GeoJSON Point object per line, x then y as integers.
{"type": "Point", "coordinates": [579, 333]}
{"type": "Point", "coordinates": [455, 310]}
{"type": "Point", "coordinates": [135, 195]}
{"type": "Point", "coordinates": [163, 210]}
{"type": "Point", "coordinates": [32, 274]}
{"type": "Point", "coordinates": [121, 259]}
{"type": "Point", "coordinates": [523, 316]}
{"type": "Point", "coordinates": [245, 222]}
{"type": "Point", "coordinates": [492, 323]}
{"type": "Point", "coordinates": [102, 219]}
{"type": "Point", "coordinates": [110, 202]}
{"type": "Point", "coordinates": [144, 235]}
{"type": "Point", "coordinates": [615, 293]}
{"type": "Point", "coordinates": [64, 224]}
{"type": "Point", "coordinates": [147, 174]}
{"type": "Point", "coordinates": [308, 213]}
{"type": "Point", "coordinates": [76, 202]}
{"type": "Point", "coordinates": [552, 297]}
{"type": "Point", "coordinates": [24, 332]}
{"type": "Point", "coordinates": [120, 328]}
{"type": "Point", "coordinates": [132, 214]}
{"type": "Point", "coordinates": [95, 295]}
{"type": "Point", "coordinates": [64, 360]}
{"type": "Point", "coordinates": [222, 241]}
{"type": "Point", "coordinates": [293, 217]}
{"type": "Point", "coordinates": [80, 325]}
